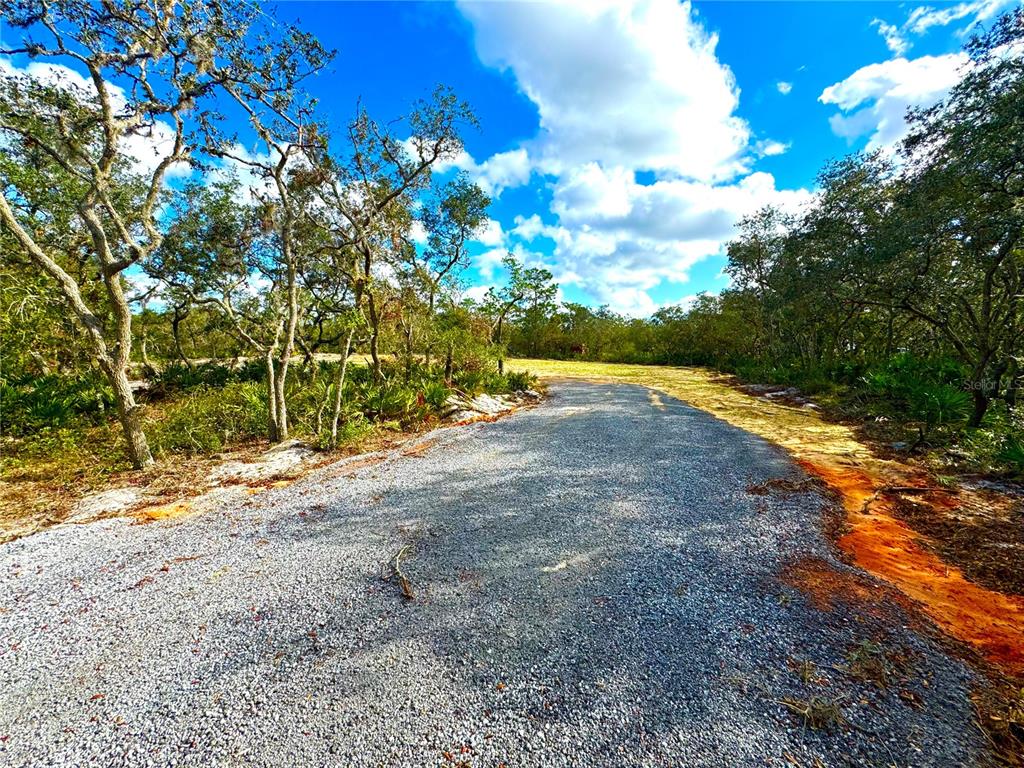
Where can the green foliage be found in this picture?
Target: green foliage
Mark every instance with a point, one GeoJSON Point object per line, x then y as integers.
{"type": "Point", "coordinates": [209, 419]}
{"type": "Point", "coordinates": [519, 380]}
{"type": "Point", "coordinates": [352, 430]}
{"type": "Point", "coordinates": [998, 445]}
{"type": "Point", "coordinates": [435, 393]}
{"type": "Point", "coordinates": [510, 381]}
{"type": "Point", "coordinates": [472, 381]}
{"type": "Point", "coordinates": [178, 377]}
{"type": "Point", "coordinates": [1011, 452]}
{"type": "Point", "coordinates": [939, 404]}
{"type": "Point", "coordinates": [390, 401]}
{"type": "Point", "coordinates": [919, 389]}
{"type": "Point", "coordinates": [31, 404]}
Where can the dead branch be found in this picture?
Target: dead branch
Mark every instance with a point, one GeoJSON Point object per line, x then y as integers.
{"type": "Point", "coordinates": [396, 573]}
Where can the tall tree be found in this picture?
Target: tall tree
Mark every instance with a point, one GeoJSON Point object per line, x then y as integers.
{"type": "Point", "coordinates": [451, 222]}
{"type": "Point", "coordinates": [963, 254]}
{"type": "Point", "coordinates": [366, 204]}
{"type": "Point", "coordinates": [528, 294]}
{"type": "Point", "coordinates": [130, 97]}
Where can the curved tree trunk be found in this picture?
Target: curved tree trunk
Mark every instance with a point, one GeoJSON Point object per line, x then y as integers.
{"type": "Point", "coordinates": [176, 335]}
{"type": "Point", "coordinates": [129, 414]}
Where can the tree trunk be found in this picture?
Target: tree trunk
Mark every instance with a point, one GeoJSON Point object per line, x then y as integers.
{"type": "Point", "coordinates": [1011, 384]}
{"type": "Point", "coordinates": [280, 401]}
{"type": "Point", "coordinates": [339, 388]}
{"type": "Point", "coordinates": [408, 354]}
{"type": "Point", "coordinates": [501, 350]}
{"type": "Point", "coordinates": [176, 334]}
{"type": "Point", "coordinates": [114, 365]}
{"type": "Point", "coordinates": [130, 415]}
{"type": "Point", "coordinates": [429, 347]}
{"type": "Point", "coordinates": [449, 364]}
{"type": "Point", "coordinates": [375, 356]}
{"type": "Point", "coordinates": [147, 365]}
{"type": "Point", "coordinates": [273, 425]}
{"type": "Point", "coordinates": [981, 401]}
{"type": "Point", "coordinates": [374, 318]}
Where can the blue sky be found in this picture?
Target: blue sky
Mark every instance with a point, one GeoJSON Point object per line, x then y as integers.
{"type": "Point", "coordinates": [622, 139]}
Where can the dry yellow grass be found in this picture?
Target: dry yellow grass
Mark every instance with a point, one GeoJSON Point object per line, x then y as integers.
{"type": "Point", "coordinates": [800, 430]}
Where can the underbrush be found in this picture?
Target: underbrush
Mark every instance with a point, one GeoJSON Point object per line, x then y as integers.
{"type": "Point", "coordinates": [178, 377]}
{"type": "Point", "coordinates": [206, 419]}
{"type": "Point", "coordinates": [61, 438]}
{"type": "Point", "coordinates": [31, 404]}
{"type": "Point", "coordinates": [914, 405]}
{"type": "Point", "coordinates": [209, 408]}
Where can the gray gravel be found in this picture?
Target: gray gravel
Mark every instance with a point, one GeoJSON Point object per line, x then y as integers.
{"type": "Point", "coordinates": [594, 587]}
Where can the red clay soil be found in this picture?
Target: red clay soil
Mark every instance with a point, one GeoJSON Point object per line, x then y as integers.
{"type": "Point", "coordinates": [826, 586]}
{"type": "Point", "coordinates": [991, 621]}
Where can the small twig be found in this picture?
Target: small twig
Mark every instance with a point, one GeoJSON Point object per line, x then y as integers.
{"type": "Point", "coordinates": [904, 489]}
{"type": "Point", "coordinates": [396, 573]}
{"type": "Point", "coordinates": [869, 502]}
{"type": "Point", "coordinates": [916, 489]}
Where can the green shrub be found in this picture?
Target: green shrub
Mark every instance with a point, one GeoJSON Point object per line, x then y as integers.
{"type": "Point", "coordinates": [472, 381]}
{"type": "Point", "coordinates": [33, 403]}
{"type": "Point", "coordinates": [435, 393]}
{"type": "Point", "coordinates": [997, 446]}
{"type": "Point", "coordinates": [208, 419]}
{"type": "Point", "coordinates": [1011, 453]}
{"type": "Point", "coordinates": [353, 428]}
{"type": "Point", "coordinates": [909, 388]}
{"type": "Point", "coordinates": [520, 380]}
{"type": "Point", "coordinates": [386, 401]}
{"type": "Point", "coordinates": [937, 404]}
{"type": "Point", "coordinates": [178, 377]}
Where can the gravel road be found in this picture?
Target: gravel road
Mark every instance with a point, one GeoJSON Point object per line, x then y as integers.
{"type": "Point", "coordinates": [594, 586]}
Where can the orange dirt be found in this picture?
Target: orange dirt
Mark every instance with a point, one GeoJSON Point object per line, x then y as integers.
{"type": "Point", "coordinates": [990, 621]}
{"type": "Point", "coordinates": [163, 512]}
{"type": "Point", "coordinates": [827, 585]}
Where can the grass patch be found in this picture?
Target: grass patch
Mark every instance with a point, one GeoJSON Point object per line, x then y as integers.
{"type": "Point", "coordinates": [816, 713]}
{"type": "Point", "coordinates": [806, 670]}
{"type": "Point", "coordinates": [868, 663]}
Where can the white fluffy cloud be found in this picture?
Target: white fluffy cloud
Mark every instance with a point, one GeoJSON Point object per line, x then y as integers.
{"type": "Point", "coordinates": [770, 148]}
{"type": "Point", "coordinates": [784, 87]}
{"type": "Point", "coordinates": [874, 100]}
{"type": "Point", "coordinates": [898, 36]}
{"type": "Point", "coordinates": [491, 234]}
{"type": "Point", "coordinates": [617, 239]}
{"type": "Point", "coordinates": [495, 174]}
{"type": "Point", "coordinates": [895, 39]}
{"type": "Point", "coordinates": [475, 292]}
{"type": "Point", "coordinates": [621, 89]}
{"type": "Point", "coordinates": [924, 18]}
{"type": "Point", "coordinates": [487, 263]}
{"type": "Point", "coordinates": [628, 84]}
{"type": "Point", "coordinates": [418, 233]}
